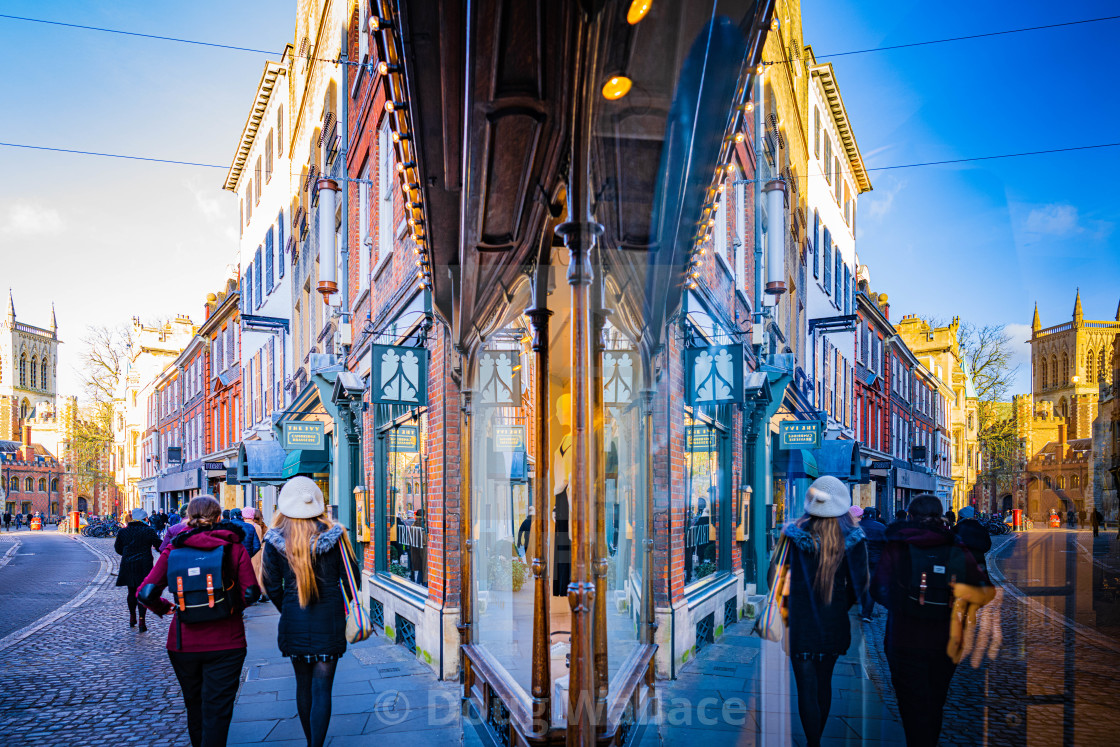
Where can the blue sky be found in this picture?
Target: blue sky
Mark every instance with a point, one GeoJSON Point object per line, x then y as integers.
{"type": "Point", "coordinates": [983, 240]}
{"type": "Point", "coordinates": [107, 239]}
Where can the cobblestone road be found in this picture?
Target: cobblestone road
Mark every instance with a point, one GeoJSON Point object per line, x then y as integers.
{"type": "Point", "coordinates": [88, 678]}
{"type": "Point", "coordinates": [1048, 686]}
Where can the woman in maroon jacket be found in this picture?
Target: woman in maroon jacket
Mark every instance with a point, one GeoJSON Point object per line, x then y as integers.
{"type": "Point", "coordinates": [206, 656]}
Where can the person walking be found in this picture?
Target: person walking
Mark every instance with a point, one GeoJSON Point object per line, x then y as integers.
{"type": "Point", "coordinates": [19, 522]}
{"type": "Point", "coordinates": [134, 544]}
{"type": "Point", "coordinates": [1097, 519]}
{"type": "Point", "coordinates": [7, 521]}
{"type": "Point", "coordinates": [914, 581]}
{"type": "Point", "coordinates": [303, 568]}
{"type": "Point", "coordinates": [253, 518]}
{"type": "Point", "coordinates": [175, 529]}
{"type": "Point", "coordinates": [206, 639]}
{"type": "Point", "coordinates": [828, 574]}
{"type": "Point", "coordinates": [251, 542]}
{"type": "Point", "coordinates": [876, 534]}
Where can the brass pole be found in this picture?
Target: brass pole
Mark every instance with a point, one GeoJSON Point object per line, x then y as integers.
{"type": "Point", "coordinates": [598, 471]}
{"type": "Point", "coordinates": [466, 606]}
{"type": "Point", "coordinates": [542, 593]}
{"type": "Point", "coordinates": [648, 624]}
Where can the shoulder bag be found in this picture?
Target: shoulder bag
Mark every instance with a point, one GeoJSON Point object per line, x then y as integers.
{"type": "Point", "coordinates": [358, 625]}
{"type": "Point", "coordinates": [771, 622]}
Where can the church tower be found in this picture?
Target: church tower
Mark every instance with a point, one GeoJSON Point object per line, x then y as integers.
{"type": "Point", "coordinates": [28, 373]}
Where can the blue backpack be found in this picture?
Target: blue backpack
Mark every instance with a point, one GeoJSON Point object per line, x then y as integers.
{"type": "Point", "coordinates": [201, 582]}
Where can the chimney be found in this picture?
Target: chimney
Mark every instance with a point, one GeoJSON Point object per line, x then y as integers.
{"type": "Point", "coordinates": [1062, 437]}
{"type": "Point", "coordinates": [28, 452]}
{"type": "Point", "coordinates": [885, 306]}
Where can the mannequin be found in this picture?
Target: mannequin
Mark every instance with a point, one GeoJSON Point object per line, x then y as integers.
{"type": "Point", "coordinates": [561, 471]}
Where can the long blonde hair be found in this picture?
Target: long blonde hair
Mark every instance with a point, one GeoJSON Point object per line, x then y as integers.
{"type": "Point", "coordinates": [300, 541]}
{"type": "Point", "coordinates": [828, 537]}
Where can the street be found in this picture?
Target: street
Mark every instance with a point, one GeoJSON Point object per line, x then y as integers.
{"type": "Point", "coordinates": [46, 570]}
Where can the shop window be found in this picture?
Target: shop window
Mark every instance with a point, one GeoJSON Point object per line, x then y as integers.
{"type": "Point", "coordinates": [402, 442]}
{"type": "Point", "coordinates": [702, 498]}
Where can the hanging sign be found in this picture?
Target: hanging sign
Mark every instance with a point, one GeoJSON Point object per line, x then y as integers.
{"type": "Point", "coordinates": [800, 434]}
{"type": "Point", "coordinates": [618, 377]}
{"type": "Point", "coordinates": [174, 454]}
{"type": "Point", "coordinates": [713, 375]}
{"type": "Point", "coordinates": [404, 439]}
{"type": "Point", "coordinates": [303, 435]}
{"type": "Point", "coordinates": [509, 438]}
{"type": "Point", "coordinates": [398, 375]}
{"type": "Point", "coordinates": [499, 378]}
{"type": "Point", "coordinates": [701, 438]}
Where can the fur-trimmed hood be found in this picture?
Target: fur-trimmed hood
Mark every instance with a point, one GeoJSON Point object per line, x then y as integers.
{"type": "Point", "coordinates": [806, 543]}
{"type": "Point", "coordinates": [324, 541]}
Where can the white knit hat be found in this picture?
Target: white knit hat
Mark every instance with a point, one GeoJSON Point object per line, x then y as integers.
{"type": "Point", "coordinates": [300, 498]}
{"type": "Point", "coordinates": [139, 514]}
{"type": "Point", "coordinates": [827, 497]}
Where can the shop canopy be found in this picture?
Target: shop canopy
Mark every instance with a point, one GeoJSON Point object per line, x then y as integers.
{"type": "Point", "coordinates": [306, 462]}
{"type": "Point", "coordinates": [796, 464]}
{"type": "Point", "coordinates": [839, 459]}
{"type": "Point", "coordinates": [260, 462]}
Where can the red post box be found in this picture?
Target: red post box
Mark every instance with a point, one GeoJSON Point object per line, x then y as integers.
{"type": "Point", "coordinates": [1017, 519]}
{"type": "Point", "coordinates": [74, 519]}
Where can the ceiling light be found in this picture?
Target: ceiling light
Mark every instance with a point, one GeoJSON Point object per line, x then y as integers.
{"type": "Point", "coordinates": [616, 87]}
{"type": "Point", "coordinates": [638, 10]}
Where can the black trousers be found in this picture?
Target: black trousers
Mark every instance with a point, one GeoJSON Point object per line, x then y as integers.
{"type": "Point", "coordinates": [209, 680]}
{"type": "Point", "coordinates": [921, 682]}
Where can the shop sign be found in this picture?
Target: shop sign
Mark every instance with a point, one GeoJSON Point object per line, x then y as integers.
{"type": "Point", "coordinates": [303, 435]}
{"type": "Point", "coordinates": [174, 454]}
{"type": "Point", "coordinates": [800, 434]}
{"type": "Point", "coordinates": [713, 375]}
{"type": "Point", "coordinates": [883, 464]}
{"type": "Point", "coordinates": [509, 438]}
{"type": "Point", "coordinates": [403, 440]}
{"type": "Point", "coordinates": [702, 438]}
{"type": "Point", "coordinates": [618, 377]}
{"type": "Point", "coordinates": [918, 454]}
{"type": "Point", "coordinates": [499, 378]}
{"type": "Point", "coordinates": [214, 466]}
{"type": "Point", "coordinates": [399, 375]}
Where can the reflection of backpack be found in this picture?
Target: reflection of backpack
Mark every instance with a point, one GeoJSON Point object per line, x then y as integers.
{"type": "Point", "coordinates": [929, 594]}
{"type": "Point", "coordinates": [202, 583]}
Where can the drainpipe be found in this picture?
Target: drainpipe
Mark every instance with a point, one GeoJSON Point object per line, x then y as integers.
{"type": "Point", "coordinates": [758, 200]}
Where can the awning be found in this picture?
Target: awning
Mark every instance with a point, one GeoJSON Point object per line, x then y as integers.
{"type": "Point", "coordinates": [912, 480]}
{"type": "Point", "coordinates": [839, 459]}
{"type": "Point", "coordinates": [306, 462]}
{"type": "Point", "coordinates": [188, 479]}
{"type": "Point", "coordinates": [260, 462]}
{"type": "Point", "coordinates": [795, 464]}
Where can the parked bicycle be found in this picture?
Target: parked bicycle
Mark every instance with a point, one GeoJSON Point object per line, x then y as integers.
{"type": "Point", "coordinates": [101, 529]}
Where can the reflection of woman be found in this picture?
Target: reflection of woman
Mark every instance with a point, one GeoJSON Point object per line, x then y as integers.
{"type": "Point", "coordinates": [416, 547]}
{"type": "Point", "coordinates": [524, 532]}
{"type": "Point", "coordinates": [561, 469]}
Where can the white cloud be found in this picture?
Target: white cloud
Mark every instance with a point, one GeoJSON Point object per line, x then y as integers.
{"type": "Point", "coordinates": [1056, 220]}
{"type": "Point", "coordinates": [30, 219]}
{"type": "Point", "coordinates": [879, 202]}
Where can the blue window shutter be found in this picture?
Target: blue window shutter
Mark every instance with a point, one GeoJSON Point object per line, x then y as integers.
{"type": "Point", "coordinates": [847, 290]}
{"type": "Point", "coordinates": [816, 244]}
{"type": "Point", "coordinates": [247, 291]}
{"type": "Point", "coordinates": [280, 249]}
{"type": "Point", "coordinates": [826, 243]}
{"type": "Point", "coordinates": [839, 297]}
{"type": "Point", "coordinates": [268, 263]}
{"type": "Point", "coordinates": [257, 279]}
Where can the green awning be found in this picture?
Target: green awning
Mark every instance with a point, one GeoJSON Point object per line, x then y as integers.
{"type": "Point", "coordinates": [796, 463]}
{"type": "Point", "coordinates": [306, 462]}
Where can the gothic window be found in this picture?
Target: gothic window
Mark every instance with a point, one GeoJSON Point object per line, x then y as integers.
{"type": "Point", "coordinates": [1042, 382]}
{"type": "Point", "coordinates": [1047, 481]}
{"type": "Point", "coordinates": [54, 485]}
{"type": "Point", "coordinates": [1063, 407]}
{"type": "Point", "coordinates": [13, 485]}
{"type": "Point", "coordinates": [42, 484]}
{"type": "Point", "coordinates": [24, 410]}
{"type": "Point", "coordinates": [1053, 370]}
{"type": "Point", "coordinates": [1075, 481]}
{"type": "Point", "coordinates": [22, 370]}
{"type": "Point", "coordinates": [43, 374]}
{"type": "Point", "coordinates": [1102, 369]}
{"type": "Point", "coordinates": [1089, 361]}
{"type": "Point", "coordinates": [34, 372]}
{"type": "Point", "coordinates": [28, 485]}
{"type": "Point", "coordinates": [1065, 368]}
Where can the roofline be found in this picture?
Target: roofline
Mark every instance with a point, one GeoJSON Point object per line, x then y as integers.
{"type": "Point", "coordinates": [220, 313]}
{"type": "Point", "coordinates": [272, 71]}
{"type": "Point", "coordinates": [827, 76]}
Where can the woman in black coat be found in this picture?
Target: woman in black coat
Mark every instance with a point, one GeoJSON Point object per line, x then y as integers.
{"type": "Point", "coordinates": [303, 574]}
{"type": "Point", "coordinates": [134, 544]}
{"type": "Point", "coordinates": [827, 575]}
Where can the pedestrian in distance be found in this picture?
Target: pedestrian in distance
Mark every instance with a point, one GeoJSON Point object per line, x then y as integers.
{"type": "Point", "coordinates": [19, 522]}
{"type": "Point", "coordinates": [922, 566]}
{"type": "Point", "coordinates": [251, 542]}
{"type": "Point", "coordinates": [899, 515]}
{"type": "Point", "coordinates": [253, 518]}
{"type": "Point", "coordinates": [175, 529]}
{"type": "Point", "coordinates": [950, 518]}
{"type": "Point", "coordinates": [134, 544]}
{"type": "Point", "coordinates": [1098, 519]}
{"type": "Point", "coordinates": [875, 533]}
{"type": "Point", "coordinates": [211, 580]}
{"type": "Point", "coordinates": [7, 521]}
{"type": "Point", "coordinates": [828, 575]}
{"type": "Point", "coordinates": [303, 572]}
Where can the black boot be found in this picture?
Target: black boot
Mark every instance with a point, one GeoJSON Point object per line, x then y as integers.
{"type": "Point", "coordinates": [143, 623]}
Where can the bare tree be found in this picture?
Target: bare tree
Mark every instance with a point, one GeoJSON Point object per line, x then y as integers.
{"type": "Point", "coordinates": [102, 361]}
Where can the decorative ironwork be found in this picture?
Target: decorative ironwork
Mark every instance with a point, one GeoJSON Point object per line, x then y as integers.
{"type": "Point", "coordinates": [626, 723]}
{"type": "Point", "coordinates": [499, 376]}
{"type": "Point", "coordinates": [497, 717]}
{"type": "Point", "coordinates": [377, 613]}
{"type": "Point", "coordinates": [705, 631]}
{"type": "Point", "coordinates": [730, 612]}
{"type": "Point", "coordinates": [618, 377]}
{"type": "Point", "coordinates": [714, 374]}
{"type": "Point", "coordinates": [400, 375]}
{"type": "Point", "coordinates": [406, 634]}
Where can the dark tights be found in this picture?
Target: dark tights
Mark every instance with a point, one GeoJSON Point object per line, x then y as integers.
{"type": "Point", "coordinates": [313, 698]}
{"type": "Point", "coordinates": [813, 674]}
{"type": "Point", "coordinates": [132, 603]}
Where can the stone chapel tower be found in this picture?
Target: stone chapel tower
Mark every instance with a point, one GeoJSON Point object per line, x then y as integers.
{"type": "Point", "coordinates": [28, 373]}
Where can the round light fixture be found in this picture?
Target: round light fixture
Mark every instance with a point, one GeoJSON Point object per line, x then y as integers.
{"type": "Point", "coordinates": [616, 87]}
{"type": "Point", "coordinates": [638, 10]}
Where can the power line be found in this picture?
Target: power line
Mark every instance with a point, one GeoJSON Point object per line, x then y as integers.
{"type": "Point", "coordinates": [113, 155]}
{"type": "Point", "coordinates": [137, 33]}
{"type": "Point", "coordinates": [958, 38]}
{"type": "Point", "coordinates": [876, 168]}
